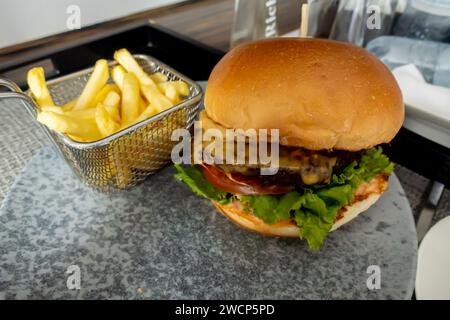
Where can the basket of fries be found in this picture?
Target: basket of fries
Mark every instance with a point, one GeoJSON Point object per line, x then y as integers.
{"type": "Point", "coordinates": [112, 123]}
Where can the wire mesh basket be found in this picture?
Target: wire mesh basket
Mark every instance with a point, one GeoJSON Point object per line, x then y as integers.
{"type": "Point", "coordinates": [121, 160]}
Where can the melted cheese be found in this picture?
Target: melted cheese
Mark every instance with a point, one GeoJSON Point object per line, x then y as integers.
{"type": "Point", "coordinates": [312, 168]}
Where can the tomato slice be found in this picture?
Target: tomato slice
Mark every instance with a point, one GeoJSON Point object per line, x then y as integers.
{"type": "Point", "coordinates": [239, 184]}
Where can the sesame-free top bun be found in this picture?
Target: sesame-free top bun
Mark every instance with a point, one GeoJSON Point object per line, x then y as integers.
{"type": "Point", "coordinates": [320, 94]}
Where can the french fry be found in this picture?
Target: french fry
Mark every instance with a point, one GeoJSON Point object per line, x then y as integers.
{"type": "Point", "coordinates": [124, 57]}
{"type": "Point", "coordinates": [54, 109]}
{"type": "Point", "coordinates": [117, 74]}
{"type": "Point", "coordinates": [130, 99]}
{"type": "Point", "coordinates": [123, 177]}
{"type": "Point", "coordinates": [38, 87]}
{"type": "Point", "coordinates": [180, 86]}
{"type": "Point", "coordinates": [148, 87]}
{"type": "Point", "coordinates": [122, 173]}
{"type": "Point", "coordinates": [106, 125]}
{"type": "Point", "coordinates": [112, 105]}
{"type": "Point", "coordinates": [78, 139]}
{"type": "Point", "coordinates": [109, 87]}
{"type": "Point", "coordinates": [65, 124]}
{"type": "Point", "coordinates": [96, 82]}
{"type": "Point", "coordinates": [82, 115]}
{"type": "Point", "coordinates": [120, 166]}
{"type": "Point", "coordinates": [158, 77]}
{"type": "Point", "coordinates": [172, 93]}
{"type": "Point", "coordinates": [69, 105]}
{"type": "Point", "coordinates": [139, 146]}
{"type": "Point", "coordinates": [147, 113]}
{"type": "Point", "coordinates": [156, 98]}
{"type": "Point", "coordinates": [142, 105]}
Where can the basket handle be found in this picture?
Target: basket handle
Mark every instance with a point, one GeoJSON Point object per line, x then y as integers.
{"type": "Point", "coordinates": [16, 93]}
{"type": "Point", "coordinates": [11, 85]}
{"type": "Point", "coordinates": [30, 105]}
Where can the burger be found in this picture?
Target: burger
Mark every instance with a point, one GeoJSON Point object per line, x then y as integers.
{"type": "Point", "coordinates": [334, 105]}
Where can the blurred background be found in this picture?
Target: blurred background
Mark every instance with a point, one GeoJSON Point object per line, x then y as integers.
{"type": "Point", "coordinates": [25, 20]}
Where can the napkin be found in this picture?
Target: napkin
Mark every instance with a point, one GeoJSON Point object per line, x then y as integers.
{"type": "Point", "coordinates": [422, 96]}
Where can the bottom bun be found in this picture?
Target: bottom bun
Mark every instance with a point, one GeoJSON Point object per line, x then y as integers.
{"type": "Point", "coordinates": [365, 196]}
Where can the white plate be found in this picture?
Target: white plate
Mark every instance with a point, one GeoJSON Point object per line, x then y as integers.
{"type": "Point", "coordinates": [433, 269]}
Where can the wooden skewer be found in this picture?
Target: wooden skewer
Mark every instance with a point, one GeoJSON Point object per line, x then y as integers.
{"type": "Point", "coordinates": [304, 22]}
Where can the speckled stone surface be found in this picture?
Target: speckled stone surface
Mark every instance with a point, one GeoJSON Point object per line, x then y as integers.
{"type": "Point", "coordinates": [159, 240]}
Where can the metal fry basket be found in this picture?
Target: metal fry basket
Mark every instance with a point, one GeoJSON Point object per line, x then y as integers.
{"type": "Point", "coordinates": [123, 159]}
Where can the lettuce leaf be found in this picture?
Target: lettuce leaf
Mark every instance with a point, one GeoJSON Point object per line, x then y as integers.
{"type": "Point", "coordinates": [372, 163]}
{"type": "Point", "coordinates": [265, 208]}
{"type": "Point", "coordinates": [193, 177]}
{"type": "Point", "coordinates": [314, 209]}
{"type": "Point", "coordinates": [314, 212]}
